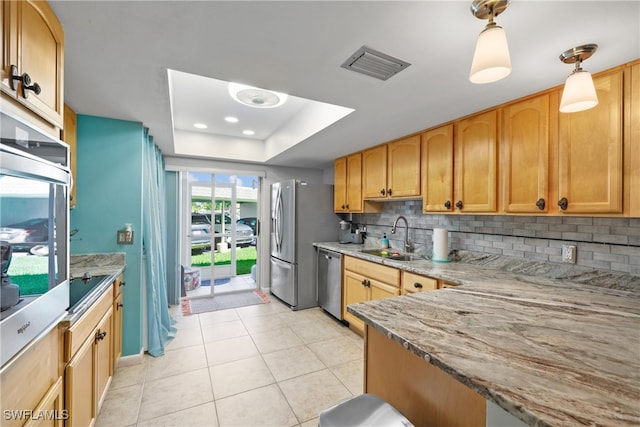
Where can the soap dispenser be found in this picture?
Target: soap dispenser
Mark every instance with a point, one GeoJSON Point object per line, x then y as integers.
{"type": "Point", "coordinates": [384, 242]}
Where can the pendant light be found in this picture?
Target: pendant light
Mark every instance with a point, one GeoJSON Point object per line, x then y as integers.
{"type": "Point", "coordinates": [579, 93]}
{"type": "Point", "coordinates": [491, 61]}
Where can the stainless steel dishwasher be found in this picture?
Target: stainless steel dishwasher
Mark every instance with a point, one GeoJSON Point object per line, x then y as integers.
{"type": "Point", "coordinates": [330, 282]}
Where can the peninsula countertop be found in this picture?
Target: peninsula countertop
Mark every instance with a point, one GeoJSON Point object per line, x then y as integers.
{"type": "Point", "coordinates": [552, 345]}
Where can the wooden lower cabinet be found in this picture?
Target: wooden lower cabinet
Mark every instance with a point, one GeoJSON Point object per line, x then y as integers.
{"type": "Point", "coordinates": [366, 281]}
{"type": "Point", "coordinates": [412, 283]}
{"type": "Point", "coordinates": [31, 385]}
{"type": "Point", "coordinates": [421, 392]}
{"type": "Point", "coordinates": [92, 345]}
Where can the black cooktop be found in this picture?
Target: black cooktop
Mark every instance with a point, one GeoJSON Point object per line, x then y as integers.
{"type": "Point", "coordinates": [81, 286]}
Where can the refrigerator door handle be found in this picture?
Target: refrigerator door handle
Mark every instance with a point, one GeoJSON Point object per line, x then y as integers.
{"type": "Point", "coordinates": [280, 214]}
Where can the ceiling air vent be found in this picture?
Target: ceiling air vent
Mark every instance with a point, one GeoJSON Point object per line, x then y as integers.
{"type": "Point", "coordinates": [375, 64]}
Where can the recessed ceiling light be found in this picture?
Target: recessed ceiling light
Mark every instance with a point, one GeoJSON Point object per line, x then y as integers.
{"type": "Point", "coordinates": [248, 132]}
{"type": "Point", "coordinates": [256, 97]}
{"type": "Point", "coordinates": [199, 126]}
{"type": "Point", "coordinates": [231, 119]}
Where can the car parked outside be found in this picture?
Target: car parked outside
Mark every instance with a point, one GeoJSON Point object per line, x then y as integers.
{"type": "Point", "coordinates": [201, 228]}
{"type": "Point", "coordinates": [251, 221]}
{"type": "Point", "coordinates": [23, 236]}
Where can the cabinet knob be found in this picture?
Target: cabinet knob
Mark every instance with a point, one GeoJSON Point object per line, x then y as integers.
{"type": "Point", "coordinates": [389, 192]}
{"type": "Point", "coordinates": [540, 204]}
{"type": "Point", "coordinates": [368, 285]}
{"type": "Point", "coordinates": [417, 285]}
{"type": "Point", "coordinates": [26, 87]}
{"type": "Point", "coordinates": [383, 192]}
{"type": "Point", "coordinates": [459, 204]}
{"type": "Point", "coordinates": [364, 282]}
{"type": "Point", "coordinates": [344, 206]}
{"type": "Point", "coordinates": [347, 206]}
{"type": "Point", "coordinates": [447, 204]}
{"type": "Point", "coordinates": [119, 306]}
{"type": "Point", "coordinates": [122, 283]}
{"type": "Point", "coordinates": [563, 203]}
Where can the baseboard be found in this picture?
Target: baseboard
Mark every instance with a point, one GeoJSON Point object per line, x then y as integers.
{"type": "Point", "coordinates": [134, 359]}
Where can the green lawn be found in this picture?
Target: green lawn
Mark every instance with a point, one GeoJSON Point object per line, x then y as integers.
{"type": "Point", "coordinates": [245, 259]}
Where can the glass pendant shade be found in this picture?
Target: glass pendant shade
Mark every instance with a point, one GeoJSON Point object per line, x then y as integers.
{"type": "Point", "coordinates": [579, 93]}
{"type": "Point", "coordinates": [491, 61]}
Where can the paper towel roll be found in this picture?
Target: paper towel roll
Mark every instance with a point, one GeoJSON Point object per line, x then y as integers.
{"type": "Point", "coordinates": [440, 244]}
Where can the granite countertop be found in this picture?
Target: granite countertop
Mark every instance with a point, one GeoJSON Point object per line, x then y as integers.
{"type": "Point", "coordinates": [550, 344]}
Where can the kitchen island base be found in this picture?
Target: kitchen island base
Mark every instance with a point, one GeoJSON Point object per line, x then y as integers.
{"type": "Point", "coordinates": [421, 392]}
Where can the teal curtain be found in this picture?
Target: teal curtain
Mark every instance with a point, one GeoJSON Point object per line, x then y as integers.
{"type": "Point", "coordinates": [161, 329]}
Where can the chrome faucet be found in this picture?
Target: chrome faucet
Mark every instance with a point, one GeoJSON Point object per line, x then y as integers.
{"type": "Point", "coordinates": [408, 246]}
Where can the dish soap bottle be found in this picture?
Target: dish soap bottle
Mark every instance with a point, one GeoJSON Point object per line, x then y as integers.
{"type": "Point", "coordinates": [384, 242]}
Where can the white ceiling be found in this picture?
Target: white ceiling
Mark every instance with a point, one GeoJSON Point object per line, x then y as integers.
{"type": "Point", "coordinates": [118, 53]}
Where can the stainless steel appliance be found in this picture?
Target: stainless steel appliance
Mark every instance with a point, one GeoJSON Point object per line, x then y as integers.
{"type": "Point", "coordinates": [301, 214]}
{"type": "Point", "coordinates": [330, 282]}
{"type": "Point", "coordinates": [34, 206]}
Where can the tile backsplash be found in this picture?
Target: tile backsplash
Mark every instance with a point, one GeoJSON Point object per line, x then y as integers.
{"type": "Point", "coordinates": [602, 243]}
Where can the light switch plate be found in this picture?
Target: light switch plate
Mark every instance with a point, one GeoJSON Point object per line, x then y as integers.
{"type": "Point", "coordinates": [569, 253]}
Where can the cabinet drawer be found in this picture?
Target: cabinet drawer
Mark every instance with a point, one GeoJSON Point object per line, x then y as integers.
{"type": "Point", "coordinates": [78, 333]}
{"type": "Point", "coordinates": [388, 275]}
{"type": "Point", "coordinates": [416, 283]}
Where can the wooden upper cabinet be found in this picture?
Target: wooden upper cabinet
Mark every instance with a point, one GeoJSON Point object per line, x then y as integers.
{"type": "Point", "coordinates": [69, 135]}
{"type": "Point", "coordinates": [374, 172]}
{"type": "Point", "coordinates": [475, 163]}
{"type": "Point", "coordinates": [347, 196]}
{"type": "Point", "coordinates": [632, 141]}
{"type": "Point", "coordinates": [403, 179]}
{"type": "Point", "coordinates": [590, 169]}
{"type": "Point", "coordinates": [393, 170]}
{"type": "Point", "coordinates": [437, 170]}
{"type": "Point", "coordinates": [525, 156]}
{"type": "Point", "coordinates": [33, 42]}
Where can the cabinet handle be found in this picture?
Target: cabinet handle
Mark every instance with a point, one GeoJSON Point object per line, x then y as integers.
{"type": "Point", "coordinates": [347, 206]}
{"type": "Point", "coordinates": [343, 206]}
{"type": "Point", "coordinates": [364, 282]}
{"type": "Point", "coordinates": [26, 86]}
{"type": "Point", "coordinates": [417, 285]}
{"type": "Point", "coordinates": [383, 192]}
{"type": "Point", "coordinates": [122, 283]}
{"type": "Point", "coordinates": [447, 204]}
{"type": "Point", "coordinates": [368, 283]}
{"type": "Point", "coordinates": [99, 336]}
{"type": "Point", "coordinates": [459, 204]}
{"type": "Point", "coordinates": [389, 192]}
{"type": "Point", "coordinates": [119, 306]}
{"type": "Point", "coordinates": [563, 203]}
{"type": "Point", "coordinates": [540, 204]}
{"type": "Point", "coordinates": [26, 82]}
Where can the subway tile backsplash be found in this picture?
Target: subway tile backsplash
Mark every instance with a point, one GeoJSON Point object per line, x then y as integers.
{"type": "Point", "coordinates": [602, 243]}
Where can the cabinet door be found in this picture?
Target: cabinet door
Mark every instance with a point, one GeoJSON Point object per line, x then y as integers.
{"type": "Point", "coordinates": [354, 291]}
{"type": "Point", "coordinates": [633, 130]}
{"type": "Point", "coordinates": [354, 183]}
{"type": "Point", "coordinates": [404, 167]}
{"type": "Point", "coordinates": [475, 163]}
{"type": "Point", "coordinates": [374, 171]}
{"type": "Point", "coordinates": [79, 386]}
{"type": "Point", "coordinates": [52, 406]}
{"type": "Point", "coordinates": [340, 185]}
{"type": "Point", "coordinates": [118, 308]}
{"type": "Point", "coordinates": [36, 47]}
{"type": "Point", "coordinates": [590, 152]}
{"type": "Point", "coordinates": [525, 156]}
{"type": "Point", "coordinates": [379, 290]}
{"type": "Point", "coordinates": [437, 170]}
{"type": "Point", "coordinates": [103, 351]}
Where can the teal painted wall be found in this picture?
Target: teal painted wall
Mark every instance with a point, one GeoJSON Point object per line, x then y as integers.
{"type": "Point", "coordinates": [108, 196]}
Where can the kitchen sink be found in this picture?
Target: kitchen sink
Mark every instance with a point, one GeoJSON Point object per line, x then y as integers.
{"type": "Point", "coordinates": [391, 254]}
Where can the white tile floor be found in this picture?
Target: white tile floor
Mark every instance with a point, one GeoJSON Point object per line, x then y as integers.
{"type": "Point", "coordinates": [261, 365]}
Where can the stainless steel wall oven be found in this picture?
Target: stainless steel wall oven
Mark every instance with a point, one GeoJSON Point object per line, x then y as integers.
{"type": "Point", "coordinates": [34, 230]}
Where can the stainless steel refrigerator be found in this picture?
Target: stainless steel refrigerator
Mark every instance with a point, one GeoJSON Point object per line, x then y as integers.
{"type": "Point", "coordinates": [301, 214]}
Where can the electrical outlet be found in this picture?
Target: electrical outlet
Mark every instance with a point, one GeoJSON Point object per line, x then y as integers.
{"type": "Point", "coordinates": [569, 253]}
